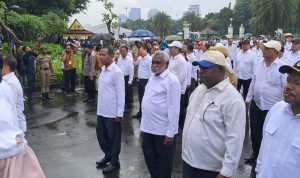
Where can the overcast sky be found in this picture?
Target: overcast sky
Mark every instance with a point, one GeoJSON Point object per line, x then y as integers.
{"type": "Point", "coordinates": [175, 8]}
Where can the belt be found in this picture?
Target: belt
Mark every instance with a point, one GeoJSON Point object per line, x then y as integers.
{"type": "Point", "coordinates": [44, 69]}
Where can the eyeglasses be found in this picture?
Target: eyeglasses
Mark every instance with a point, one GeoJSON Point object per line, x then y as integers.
{"type": "Point", "coordinates": [156, 49]}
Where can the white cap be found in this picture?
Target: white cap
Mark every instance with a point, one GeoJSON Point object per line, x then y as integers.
{"type": "Point", "coordinates": [273, 44]}
{"type": "Point", "coordinates": [175, 44]}
{"type": "Point", "coordinates": [210, 59]}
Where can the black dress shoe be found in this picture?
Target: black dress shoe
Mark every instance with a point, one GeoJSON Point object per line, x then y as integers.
{"type": "Point", "coordinates": [251, 159]}
{"type": "Point", "coordinates": [102, 162]}
{"type": "Point", "coordinates": [91, 101]}
{"type": "Point", "coordinates": [137, 115]}
{"type": "Point", "coordinates": [111, 168]}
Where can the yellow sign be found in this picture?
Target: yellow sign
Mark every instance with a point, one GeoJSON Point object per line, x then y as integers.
{"type": "Point", "coordinates": [76, 26]}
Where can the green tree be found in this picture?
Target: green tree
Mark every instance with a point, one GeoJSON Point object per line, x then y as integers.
{"type": "Point", "coordinates": [109, 16]}
{"type": "Point", "coordinates": [63, 8]}
{"type": "Point", "coordinates": [268, 16]}
{"type": "Point", "coordinates": [242, 13]}
{"type": "Point", "coordinates": [162, 23]}
{"type": "Point", "coordinates": [193, 19]}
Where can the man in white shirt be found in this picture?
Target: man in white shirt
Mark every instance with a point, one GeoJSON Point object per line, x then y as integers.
{"type": "Point", "coordinates": [110, 108]}
{"type": "Point", "coordinates": [232, 49]}
{"type": "Point", "coordinates": [125, 63]}
{"type": "Point", "coordinates": [198, 49]}
{"type": "Point", "coordinates": [257, 51]}
{"type": "Point", "coordinates": [159, 124]}
{"type": "Point", "coordinates": [279, 152]}
{"type": "Point", "coordinates": [191, 58]}
{"type": "Point", "coordinates": [144, 73]}
{"type": "Point", "coordinates": [214, 128]}
{"type": "Point", "coordinates": [8, 75]}
{"type": "Point", "coordinates": [294, 55]}
{"type": "Point", "coordinates": [246, 61]}
{"type": "Point", "coordinates": [178, 66]}
{"type": "Point", "coordinates": [265, 90]}
{"type": "Point", "coordinates": [288, 43]}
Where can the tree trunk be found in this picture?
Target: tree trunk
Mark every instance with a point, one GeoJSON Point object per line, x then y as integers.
{"type": "Point", "coordinates": [8, 30]}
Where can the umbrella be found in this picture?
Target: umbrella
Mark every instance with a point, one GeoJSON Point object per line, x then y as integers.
{"type": "Point", "coordinates": [248, 34]}
{"type": "Point", "coordinates": [173, 38]}
{"type": "Point", "coordinates": [142, 33]}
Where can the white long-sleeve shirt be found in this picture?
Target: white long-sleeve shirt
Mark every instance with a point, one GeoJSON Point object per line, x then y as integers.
{"type": "Point", "coordinates": [245, 64]}
{"type": "Point", "coordinates": [292, 58]}
{"type": "Point", "coordinates": [191, 58]}
{"type": "Point", "coordinates": [126, 66]}
{"type": "Point", "coordinates": [144, 66]}
{"type": "Point", "coordinates": [178, 66]}
{"type": "Point", "coordinates": [17, 90]}
{"type": "Point", "coordinates": [111, 92]}
{"type": "Point", "coordinates": [267, 85]}
{"type": "Point", "coordinates": [161, 105]}
{"type": "Point", "coordinates": [258, 53]}
{"type": "Point", "coordinates": [214, 128]}
{"type": "Point", "coordinates": [9, 131]}
{"type": "Point", "coordinates": [279, 154]}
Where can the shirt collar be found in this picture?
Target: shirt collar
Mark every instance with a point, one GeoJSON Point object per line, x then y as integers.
{"type": "Point", "coordinates": [288, 109]}
{"type": "Point", "coordinates": [8, 76]}
{"type": "Point", "coordinates": [222, 85]}
{"type": "Point", "coordinates": [162, 75]}
{"type": "Point", "coordinates": [175, 57]}
{"type": "Point", "coordinates": [110, 67]}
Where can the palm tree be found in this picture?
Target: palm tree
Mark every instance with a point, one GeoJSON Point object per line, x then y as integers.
{"type": "Point", "coordinates": [162, 23]}
{"type": "Point", "coordinates": [193, 19]}
{"type": "Point", "coordinates": [268, 15]}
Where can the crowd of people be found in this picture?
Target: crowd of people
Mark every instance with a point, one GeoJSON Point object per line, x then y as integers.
{"type": "Point", "coordinates": [202, 90]}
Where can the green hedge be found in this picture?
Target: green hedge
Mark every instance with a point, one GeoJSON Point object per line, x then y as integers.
{"type": "Point", "coordinates": [55, 51]}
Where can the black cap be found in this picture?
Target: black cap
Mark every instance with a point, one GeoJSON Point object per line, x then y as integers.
{"type": "Point", "coordinates": [245, 42]}
{"type": "Point", "coordinates": [286, 69]}
{"type": "Point", "coordinates": [296, 41]}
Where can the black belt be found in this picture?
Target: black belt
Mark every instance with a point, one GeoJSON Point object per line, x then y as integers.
{"type": "Point", "coordinates": [44, 69]}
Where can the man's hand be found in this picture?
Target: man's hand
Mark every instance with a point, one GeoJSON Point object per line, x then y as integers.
{"type": "Point", "coordinates": [119, 119]}
{"type": "Point", "coordinates": [168, 141]}
{"type": "Point", "coordinates": [221, 176]}
{"type": "Point", "coordinates": [248, 105]}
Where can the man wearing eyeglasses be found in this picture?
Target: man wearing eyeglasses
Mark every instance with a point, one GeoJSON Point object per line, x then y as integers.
{"type": "Point", "coordinates": [159, 123]}
{"type": "Point", "coordinates": [214, 128]}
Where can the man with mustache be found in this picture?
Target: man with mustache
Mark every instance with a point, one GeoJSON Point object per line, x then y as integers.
{"type": "Point", "coordinates": [214, 128]}
{"type": "Point", "coordinates": [279, 154]}
{"type": "Point", "coordinates": [159, 123]}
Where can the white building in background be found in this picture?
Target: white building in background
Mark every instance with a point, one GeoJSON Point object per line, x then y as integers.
{"type": "Point", "coordinates": [152, 13]}
{"type": "Point", "coordinates": [123, 18]}
{"type": "Point", "coordinates": [135, 13]}
{"type": "Point", "coordinates": [195, 8]}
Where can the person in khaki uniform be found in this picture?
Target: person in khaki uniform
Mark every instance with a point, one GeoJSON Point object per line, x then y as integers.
{"type": "Point", "coordinates": [44, 72]}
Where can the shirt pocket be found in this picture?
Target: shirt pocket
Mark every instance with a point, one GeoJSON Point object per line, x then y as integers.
{"type": "Point", "coordinates": [274, 79]}
{"type": "Point", "coordinates": [270, 130]}
{"type": "Point", "coordinates": [293, 157]}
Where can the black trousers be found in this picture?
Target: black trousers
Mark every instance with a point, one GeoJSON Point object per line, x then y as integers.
{"type": "Point", "coordinates": [257, 120]}
{"type": "Point", "coordinates": [245, 84]}
{"type": "Point", "coordinates": [191, 172]}
{"type": "Point", "coordinates": [31, 83]}
{"type": "Point", "coordinates": [70, 79]}
{"type": "Point", "coordinates": [158, 157]}
{"type": "Point", "coordinates": [141, 90]}
{"type": "Point", "coordinates": [109, 138]}
{"type": "Point", "coordinates": [128, 93]}
{"type": "Point", "coordinates": [89, 86]}
{"type": "Point", "coordinates": [182, 113]}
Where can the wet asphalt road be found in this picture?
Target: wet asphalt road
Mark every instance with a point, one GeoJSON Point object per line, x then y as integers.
{"type": "Point", "coordinates": [62, 134]}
